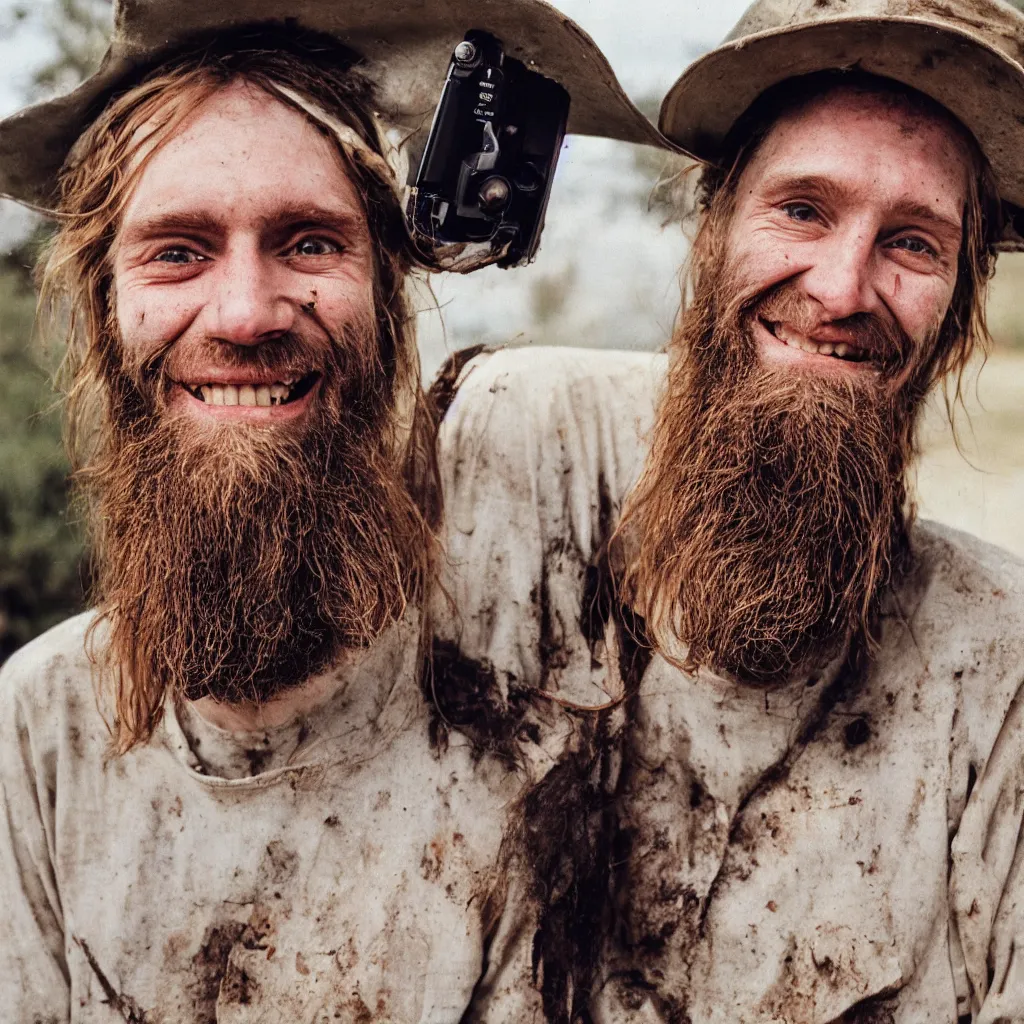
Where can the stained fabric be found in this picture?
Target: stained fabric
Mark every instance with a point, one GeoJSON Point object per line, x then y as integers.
{"type": "Point", "coordinates": [844, 847]}
{"type": "Point", "coordinates": [332, 869]}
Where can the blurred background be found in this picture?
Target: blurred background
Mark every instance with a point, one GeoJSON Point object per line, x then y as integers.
{"type": "Point", "coordinates": [606, 276]}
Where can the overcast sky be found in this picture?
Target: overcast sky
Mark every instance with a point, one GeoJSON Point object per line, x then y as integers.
{"type": "Point", "coordinates": [649, 42]}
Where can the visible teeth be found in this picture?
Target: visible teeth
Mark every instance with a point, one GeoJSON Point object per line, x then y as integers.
{"type": "Point", "coordinates": [794, 339]}
{"type": "Point", "coordinates": [257, 395]}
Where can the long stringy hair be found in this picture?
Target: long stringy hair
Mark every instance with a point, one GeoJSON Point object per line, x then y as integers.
{"type": "Point", "coordinates": [564, 842]}
{"type": "Point", "coordinates": [322, 80]}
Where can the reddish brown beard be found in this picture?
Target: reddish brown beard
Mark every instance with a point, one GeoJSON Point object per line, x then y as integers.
{"type": "Point", "coordinates": [236, 561]}
{"type": "Point", "coordinates": [772, 514]}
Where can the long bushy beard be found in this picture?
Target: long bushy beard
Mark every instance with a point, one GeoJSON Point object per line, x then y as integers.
{"type": "Point", "coordinates": [772, 514]}
{"type": "Point", "coordinates": [236, 560]}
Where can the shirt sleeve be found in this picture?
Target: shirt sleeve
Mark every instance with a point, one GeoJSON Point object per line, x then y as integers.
{"type": "Point", "coordinates": [536, 452]}
{"type": "Point", "coordinates": [34, 982]}
{"type": "Point", "coordinates": [987, 879]}
{"type": "Point", "coordinates": [508, 990]}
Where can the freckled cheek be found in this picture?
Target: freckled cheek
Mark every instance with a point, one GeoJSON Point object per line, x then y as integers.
{"type": "Point", "coordinates": [346, 308]}
{"type": "Point", "coordinates": [148, 320]}
{"type": "Point", "coordinates": [759, 261]}
{"type": "Point", "coordinates": [919, 310]}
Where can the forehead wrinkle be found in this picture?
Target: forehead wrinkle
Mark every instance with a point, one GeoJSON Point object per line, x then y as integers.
{"type": "Point", "coordinates": [787, 141]}
{"type": "Point", "coordinates": [333, 198]}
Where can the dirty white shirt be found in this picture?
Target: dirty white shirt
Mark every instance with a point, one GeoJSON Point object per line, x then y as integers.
{"type": "Point", "coordinates": [330, 870]}
{"type": "Point", "coordinates": [823, 851]}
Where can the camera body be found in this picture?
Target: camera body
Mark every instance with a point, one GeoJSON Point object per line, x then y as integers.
{"type": "Point", "coordinates": [483, 183]}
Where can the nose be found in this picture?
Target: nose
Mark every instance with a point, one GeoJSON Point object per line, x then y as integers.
{"type": "Point", "coordinates": [841, 278]}
{"type": "Point", "coordinates": [249, 305]}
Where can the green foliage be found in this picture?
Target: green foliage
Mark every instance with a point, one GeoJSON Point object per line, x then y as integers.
{"type": "Point", "coordinates": [40, 554]}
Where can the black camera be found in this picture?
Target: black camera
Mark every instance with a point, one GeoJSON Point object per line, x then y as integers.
{"type": "Point", "coordinates": [484, 179]}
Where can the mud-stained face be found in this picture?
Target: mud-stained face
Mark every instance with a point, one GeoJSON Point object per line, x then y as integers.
{"type": "Point", "coordinates": [244, 232]}
{"type": "Point", "coordinates": [771, 516]}
{"type": "Point", "coordinates": [854, 204]}
{"type": "Point", "coordinates": [251, 515]}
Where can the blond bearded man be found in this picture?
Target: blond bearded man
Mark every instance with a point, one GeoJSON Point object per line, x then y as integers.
{"type": "Point", "coordinates": [225, 796]}
{"type": "Point", "coordinates": [802, 799]}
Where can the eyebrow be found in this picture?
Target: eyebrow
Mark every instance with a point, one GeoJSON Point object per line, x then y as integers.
{"type": "Point", "coordinates": [829, 190]}
{"type": "Point", "coordinates": [307, 215]}
{"type": "Point", "coordinates": [919, 211]}
{"type": "Point", "coordinates": [198, 223]}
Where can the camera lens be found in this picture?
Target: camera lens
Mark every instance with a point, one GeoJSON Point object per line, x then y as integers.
{"type": "Point", "coordinates": [494, 193]}
{"type": "Point", "coordinates": [465, 52]}
{"type": "Point", "coordinates": [528, 178]}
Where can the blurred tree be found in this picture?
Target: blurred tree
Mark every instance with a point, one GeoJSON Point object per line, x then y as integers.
{"type": "Point", "coordinates": [41, 556]}
{"type": "Point", "coordinates": [549, 295]}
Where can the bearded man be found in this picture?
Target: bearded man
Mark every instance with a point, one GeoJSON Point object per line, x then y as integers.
{"type": "Point", "coordinates": [802, 798]}
{"type": "Point", "coordinates": [225, 796]}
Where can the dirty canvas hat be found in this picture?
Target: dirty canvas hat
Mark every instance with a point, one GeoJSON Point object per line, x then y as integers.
{"type": "Point", "coordinates": [965, 54]}
{"type": "Point", "coordinates": [406, 45]}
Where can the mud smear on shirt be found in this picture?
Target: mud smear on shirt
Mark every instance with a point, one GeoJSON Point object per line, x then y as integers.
{"type": "Point", "coordinates": [565, 838]}
{"type": "Point", "coordinates": [215, 976]}
{"type": "Point", "coordinates": [464, 693]}
{"type": "Point", "coordinates": [578, 841]}
{"type": "Point", "coordinates": [648, 913]}
{"type": "Point", "coordinates": [121, 1003]}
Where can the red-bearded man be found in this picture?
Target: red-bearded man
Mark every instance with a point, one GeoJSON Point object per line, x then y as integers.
{"type": "Point", "coordinates": [225, 794]}
{"type": "Point", "coordinates": [802, 798]}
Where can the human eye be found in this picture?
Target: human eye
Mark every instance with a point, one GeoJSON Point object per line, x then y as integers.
{"type": "Point", "coordinates": [802, 212]}
{"type": "Point", "coordinates": [314, 245]}
{"type": "Point", "coordinates": [914, 245]}
{"type": "Point", "coordinates": [177, 256]}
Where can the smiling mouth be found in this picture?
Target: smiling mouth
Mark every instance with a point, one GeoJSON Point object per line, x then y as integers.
{"type": "Point", "coordinates": [843, 350]}
{"type": "Point", "coordinates": [281, 392]}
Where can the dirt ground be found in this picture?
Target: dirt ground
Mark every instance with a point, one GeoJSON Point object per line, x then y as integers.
{"type": "Point", "coordinates": [982, 490]}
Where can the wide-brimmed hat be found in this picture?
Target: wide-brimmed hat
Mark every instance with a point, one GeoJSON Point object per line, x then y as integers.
{"type": "Point", "coordinates": [406, 45]}
{"type": "Point", "coordinates": [965, 54]}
